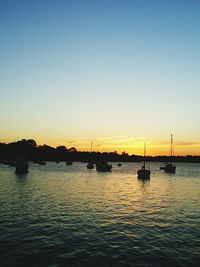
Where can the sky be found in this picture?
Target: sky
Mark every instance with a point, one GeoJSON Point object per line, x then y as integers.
{"type": "Point", "coordinates": [116, 72]}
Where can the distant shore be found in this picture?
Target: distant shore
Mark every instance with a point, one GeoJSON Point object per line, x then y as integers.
{"type": "Point", "coordinates": [31, 151]}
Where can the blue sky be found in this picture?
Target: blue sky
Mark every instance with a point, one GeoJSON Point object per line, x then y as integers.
{"type": "Point", "coordinates": [82, 70]}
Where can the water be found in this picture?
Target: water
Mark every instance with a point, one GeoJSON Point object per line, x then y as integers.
{"type": "Point", "coordinates": [60, 215]}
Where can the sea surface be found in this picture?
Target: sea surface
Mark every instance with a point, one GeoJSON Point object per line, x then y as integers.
{"type": "Point", "coordinates": [59, 215]}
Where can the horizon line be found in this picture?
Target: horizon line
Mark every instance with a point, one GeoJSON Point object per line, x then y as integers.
{"type": "Point", "coordinates": [109, 151]}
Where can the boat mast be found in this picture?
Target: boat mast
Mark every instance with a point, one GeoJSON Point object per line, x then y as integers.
{"type": "Point", "coordinates": [171, 149]}
{"type": "Point", "coordinates": [91, 147]}
{"type": "Point", "coordinates": [144, 152]}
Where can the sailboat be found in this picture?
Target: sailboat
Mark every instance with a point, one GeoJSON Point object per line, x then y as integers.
{"type": "Point", "coordinates": [90, 164]}
{"type": "Point", "coordinates": [103, 166]}
{"type": "Point", "coordinates": [143, 173]}
{"type": "Point", "coordinates": [169, 167]}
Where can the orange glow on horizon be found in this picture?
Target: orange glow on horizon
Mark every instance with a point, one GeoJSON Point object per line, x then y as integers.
{"type": "Point", "coordinates": [154, 148]}
{"type": "Point", "coordinates": [132, 146]}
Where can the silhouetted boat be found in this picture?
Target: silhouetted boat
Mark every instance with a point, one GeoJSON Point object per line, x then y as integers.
{"type": "Point", "coordinates": [40, 162]}
{"type": "Point", "coordinates": [21, 166]}
{"type": "Point", "coordinates": [169, 167]}
{"type": "Point", "coordinates": [119, 164]}
{"type": "Point", "coordinates": [90, 164]}
{"type": "Point", "coordinates": [69, 162]}
{"type": "Point", "coordinates": [103, 166]}
{"type": "Point", "coordinates": [143, 173]}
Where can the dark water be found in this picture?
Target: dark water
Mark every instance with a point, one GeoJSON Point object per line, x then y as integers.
{"type": "Point", "coordinates": [60, 215]}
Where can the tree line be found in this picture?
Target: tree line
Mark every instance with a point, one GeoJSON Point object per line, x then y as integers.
{"type": "Point", "coordinates": [31, 151]}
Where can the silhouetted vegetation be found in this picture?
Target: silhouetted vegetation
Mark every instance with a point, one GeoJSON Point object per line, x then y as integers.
{"type": "Point", "coordinates": [31, 151]}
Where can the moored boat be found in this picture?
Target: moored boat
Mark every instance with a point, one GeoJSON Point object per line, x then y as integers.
{"type": "Point", "coordinates": [39, 162]}
{"type": "Point", "coordinates": [103, 166]}
{"type": "Point", "coordinates": [90, 164]}
{"type": "Point", "coordinates": [143, 173]}
{"type": "Point", "coordinates": [21, 166]}
{"type": "Point", "coordinates": [169, 167]}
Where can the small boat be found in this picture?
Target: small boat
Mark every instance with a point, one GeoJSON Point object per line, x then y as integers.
{"type": "Point", "coordinates": [21, 166]}
{"type": "Point", "coordinates": [143, 173]}
{"type": "Point", "coordinates": [69, 162]}
{"type": "Point", "coordinates": [119, 164]}
{"type": "Point", "coordinates": [90, 165]}
{"type": "Point", "coordinates": [103, 166]}
{"type": "Point", "coordinates": [39, 162]}
{"type": "Point", "coordinates": [169, 167]}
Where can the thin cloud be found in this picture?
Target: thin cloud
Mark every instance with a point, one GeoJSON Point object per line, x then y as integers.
{"type": "Point", "coordinates": [183, 143]}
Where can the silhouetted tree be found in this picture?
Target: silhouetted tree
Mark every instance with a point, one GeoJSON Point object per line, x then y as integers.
{"type": "Point", "coordinates": [30, 150]}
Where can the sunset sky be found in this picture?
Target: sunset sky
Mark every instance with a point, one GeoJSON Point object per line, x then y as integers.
{"type": "Point", "coordinates": [116, 72]}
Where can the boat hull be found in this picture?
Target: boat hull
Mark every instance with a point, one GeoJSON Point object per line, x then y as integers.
{"type": "Point", "coordinates": [144, 174]}
{"type": "Point", "coordinates": [21, 167]}
{"type": "Point", "coordinates": [169, 168]}
{"type": "Point", "coordinates": [103, 167]}
{"type": "Point", "coordinates": [90, 166]}
{"type": "Point", "coordinates": [69, 163]}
